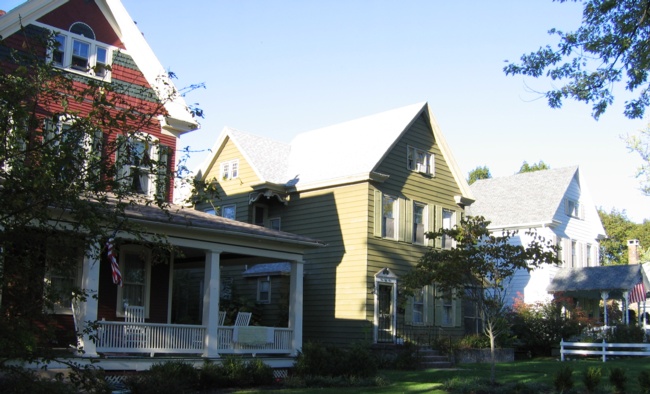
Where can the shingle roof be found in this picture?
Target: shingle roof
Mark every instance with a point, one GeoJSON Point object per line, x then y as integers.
{"type": "Point", "coordinates": [603, 278]}
{"type": "Point", "coordinates": [532, 197]}
{"type": "Point", "coordinates": [268, 157]}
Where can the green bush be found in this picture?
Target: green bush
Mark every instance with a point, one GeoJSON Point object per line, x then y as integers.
{"type": "Point", "coordinates": [23, 381]}
{"type": "Point", "coordinates": [617, 379]}
{"type": "Point", "coordinates": [235, 372]}
{"type": "Point", "coordinates": [591, 379]}
{"type": "Point", "coordinates": [168, 377]}
{"type": "Point", "coordinates": [623, 333]}
{"type": "Point", "coordinates": [317, 359]}
{"type": "Point", "coordinates": [644, 382]}
{"type": "Point", "coordinates": [484, 386]}
{"type": "Point", "coordinates": [563, 379]}
{"type": "Point", "coordinates": [473, 342]}
{"type": "Point", "coordinates": [407, 358]}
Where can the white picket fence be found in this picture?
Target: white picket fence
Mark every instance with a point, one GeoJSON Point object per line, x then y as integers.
{"type": "Point", "coordinates": [604, 349]}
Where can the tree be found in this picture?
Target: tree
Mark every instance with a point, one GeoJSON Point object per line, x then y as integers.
{"type": "Point", "coordinates": [525, 167]}
{"type": "Point", "coordinates": [609, 47]}
{"type": "Point", "coordinates": [480, 172]}
{"type": "Point", "coordinates": [620, 229]}
{"type": "Point", "coordinates": [61, 191]}
{"type": "Point", "coordinates": [479, 268]}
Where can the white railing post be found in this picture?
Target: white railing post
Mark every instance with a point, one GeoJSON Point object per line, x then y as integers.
{"type": "Point", "coordinates": [211, 303]}
{"type": "Point", "coordinates": [604, 354]}
{"type": "Point", "coordinates": [562, 350]}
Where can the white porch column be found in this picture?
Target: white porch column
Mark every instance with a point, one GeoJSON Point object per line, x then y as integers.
{"type": "Point", "coordinates": [295, 305]}
{"type": "Point", "coordinates": [604, 295]}
{"type": "Point", "coordinates": [626, 315]}
{"type": "Point", "coordinates": [89, 308]}
{"type": "Point", "coordinates": [211, 291]}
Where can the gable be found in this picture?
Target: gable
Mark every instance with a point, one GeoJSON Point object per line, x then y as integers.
{"type": "Point", "coordinates": [246, 176]}
{"type": "Point", "coordinates": [87, 12]}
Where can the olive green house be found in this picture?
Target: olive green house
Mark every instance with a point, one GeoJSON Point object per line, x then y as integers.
{"type": "Point", "coordinates": [369, 189]}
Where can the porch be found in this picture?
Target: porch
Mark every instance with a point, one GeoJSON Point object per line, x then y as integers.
{"type": "Point", "coordinates": [119, 338]}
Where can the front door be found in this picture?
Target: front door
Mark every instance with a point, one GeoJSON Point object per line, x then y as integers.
{"type": "Point", "coordinates": [385, 312]}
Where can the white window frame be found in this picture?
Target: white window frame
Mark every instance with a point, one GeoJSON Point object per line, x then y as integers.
{"type": "Point", "coordinates": [149, 181]}
{"type": "Point", "coordinates": [125, 252]}
{"type": "Point", "coordinates": [229, 169]}
{"type": "Point", "coordinates": [573, 208]}
{"type": "Point", "coordinates": [589, 257]}
{"type": "Point", "coordinates": [51, 276]}
{"type": "Point", "coordinates": [448, 308]}
{"type": "Point", "coordinates": [394, 216]}
{"type": "Point", "coordinates": [59, 128]}
{"type": "Point", "coordinates": [227, 208]}
{"type": "Point", "coordinates": [448, 221]}
{"type": "Point", "coordinates": [425, 222]}
{"type": "Point", "coordinates": [67, 54]}
{"type": "Point", "coordinates": [419, 307]}
{"type": "Point", "coordinates": [264, 295]}
{"type": "Point", "coordinates": [419, 160]}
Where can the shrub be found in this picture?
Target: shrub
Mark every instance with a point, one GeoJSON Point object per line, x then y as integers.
{"type": "Point", "coordinates": [235, 372]}
{"type": "Point", "coordinates": [591, 379]}
{"type": "Point", "coordinates": [563, 379]}
{"type": "Point", "coordinates": [623, 333]}
{"type": "Point", "coordinates": [473, 342]}
{"type": "Point", "coordinates": [168, 377]}
{"type": "Point", "coordinates": [407, 358]}
{"type": "Point", "coordinates": [617, 379]}
{"type": "Point", "coordinates": [23, 381]}
{"type": "Point", "coordinates": [644, 382]}
{"type": "Point", "coordinates": [316, 359]}
{"type": "Point", "coordinates": [484, 386]}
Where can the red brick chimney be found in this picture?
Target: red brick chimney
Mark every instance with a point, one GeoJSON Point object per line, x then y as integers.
{"type": "Point", "coordinates": [633, 251]}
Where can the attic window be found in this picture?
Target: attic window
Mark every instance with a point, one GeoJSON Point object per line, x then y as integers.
{"type": "Point", "coordinates": [573, 208]}
{"type": "Point", "coordinates": [83, 30]}
{"type": "Point", "coordinates": [420, 161]}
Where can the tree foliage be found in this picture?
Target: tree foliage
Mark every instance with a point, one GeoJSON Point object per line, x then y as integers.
{"type": "Point", "coordinates": [480, 172]}
{"type": "Point", "coordinates": [63, 190]}
{"type": "Point", "coordinates": [610, 46]}
{"type": "Point", "coordinates": [525, 167]}
{"type": "Point", "coordinates": [480, 267]}
{"type": "Point", "coordinates": [620, 229]}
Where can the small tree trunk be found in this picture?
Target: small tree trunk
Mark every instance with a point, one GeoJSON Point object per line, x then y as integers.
{"type": "Point", "coordinates": [492, 356]}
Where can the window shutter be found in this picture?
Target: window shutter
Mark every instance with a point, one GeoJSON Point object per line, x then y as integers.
{"type": "Point", "coordinates": [438, 225]}
{"type": "Point", "coordinates": [458, 316]}
{"type": "Point", "coordinates": [437, 306]}
{"type": "Point", "coordinates": [405, 217]}
{"type": "Point", "coordinates": [431, 220]}
{"type": "Point", "coordinates": [377, 213]}
{"type": "Point", "coordinates": [429, 305]}
{"type": "Point", "coordinates": [163, 172]}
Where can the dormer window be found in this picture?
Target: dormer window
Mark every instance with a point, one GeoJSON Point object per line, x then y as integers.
{"type": "Point", "coordinates": [77, 50]}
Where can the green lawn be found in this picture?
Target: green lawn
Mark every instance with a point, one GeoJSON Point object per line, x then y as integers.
{"type": "Point", "coordinates": [533, 371]}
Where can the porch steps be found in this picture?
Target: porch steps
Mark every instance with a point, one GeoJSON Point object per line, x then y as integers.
{"type": "Point", "coordinates": [431, 358]}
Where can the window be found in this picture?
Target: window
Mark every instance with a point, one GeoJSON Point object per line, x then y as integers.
{"type": "Point", "coordinates": [230, 169]}
{"type": "Point", "coordinates": [419, 223]}
{"type": "Point", "coordinates": [573, 208]}
{"type": "Point", "coordinates": [229, 211]}
{"type": "Point", "coordinates": [274, 223]}
{"type": "Point", "coordinates": [447, 220]}
{"type": "Point", "coordinates": [135, 266]}
{"type": "Point", "coordinates": [418, 306]}
{"type": "Point", "coordinates": [77, 50]}
{"type": "Point", "coordinates": [211, 211]}
{"type": "Point", "coordinates": [63, 274]}
{"type": "Point", "coordinates": [589, 259]}
{"type": "Point", "coordinates": [420, 161]}
{"type": "Point", "coordinates": [144, 167]}
{"type": "Point", "coordinates": [389, 217]}
{"type": "Point", "coordinates": [264, 290]}
{"type": "Point", "coordinates": [259, 215]}
{"type": "Point", "coordinates": [447, 310]}
{"type": "Point", "coordinates": [574, 254]}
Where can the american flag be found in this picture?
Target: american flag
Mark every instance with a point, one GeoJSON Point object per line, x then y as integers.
{"type": "Point", "coordinates": [117, 275]}
{"type": "Point", "coordinates": [637, 294]}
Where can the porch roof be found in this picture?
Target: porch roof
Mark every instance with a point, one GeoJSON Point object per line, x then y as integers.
{"type": "Point", "coordinates": [589, 282]}
{"type": "Point", "coordinates": [190, 218]}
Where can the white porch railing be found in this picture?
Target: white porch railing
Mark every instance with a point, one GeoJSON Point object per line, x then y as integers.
{"type": "Point", "coordinates": [150, 338]}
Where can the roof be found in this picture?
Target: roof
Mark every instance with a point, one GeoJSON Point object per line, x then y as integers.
{"type": "Point", "coordinates": [333, 154]}
{"type": "Point", "coordinates": [528, 198]}
{"type": "Point", "coordinates": [180, 119]}
{"type": "Point", "coordinates": [612, 278]}
{"type": "Point", "coordinates": [269, 269]}
{"type": "Point", "coordinates": [194, 220]}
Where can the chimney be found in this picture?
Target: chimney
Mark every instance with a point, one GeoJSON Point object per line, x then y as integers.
{"type": "Point", "coordinates": [633, 251]}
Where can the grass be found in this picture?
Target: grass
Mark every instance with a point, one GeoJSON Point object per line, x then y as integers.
{"type": "Point", "coordinates": [530, 371]}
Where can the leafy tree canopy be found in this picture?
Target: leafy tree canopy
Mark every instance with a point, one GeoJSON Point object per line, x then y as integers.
{"type": "Point", "coordinates": [620, 229]}
{"type": "Point", "coordinates": [480, 172]}
{"type": "Point", "coordinates": [610, 46]}
{"type": "Point", "coordinates": [525, 167]}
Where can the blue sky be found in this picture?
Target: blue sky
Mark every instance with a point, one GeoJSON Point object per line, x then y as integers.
{"type": "Point", "coordinates": [279, 67]}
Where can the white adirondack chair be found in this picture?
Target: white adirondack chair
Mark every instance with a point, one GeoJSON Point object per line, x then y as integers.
{"type": "Point", "coordinates": [243, 318]}
{"type": "Point", "coordinates": [222, 317]}
{"type": "Point", "coordinates": [134, 336]}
